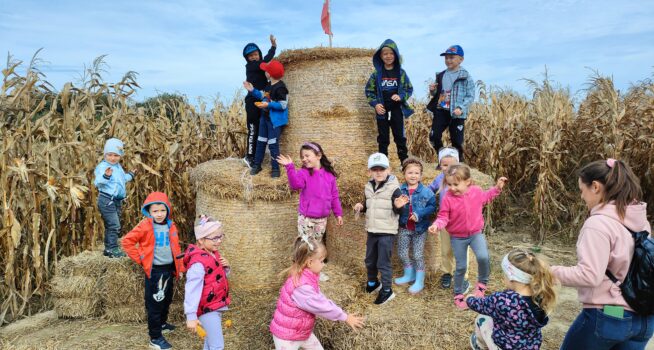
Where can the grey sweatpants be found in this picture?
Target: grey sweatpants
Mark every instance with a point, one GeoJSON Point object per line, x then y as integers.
{"type": "Point", "coordinates": [378, 258]}
{"type": "Point", "coordinates": [212, 323]}
{"type": "Point", "coordinates": [460, 247]}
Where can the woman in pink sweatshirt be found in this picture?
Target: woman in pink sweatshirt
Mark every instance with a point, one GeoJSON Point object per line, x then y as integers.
{"type": "Point", "coordinates": [461, 214]}
{"type": "Point", "coordinates": [612, 193]}
{"type": "Point", "coordinates": [300, 300]}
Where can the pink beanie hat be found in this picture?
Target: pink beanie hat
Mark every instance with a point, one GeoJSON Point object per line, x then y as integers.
{"type": "Point", "coordinates": [207, 226]}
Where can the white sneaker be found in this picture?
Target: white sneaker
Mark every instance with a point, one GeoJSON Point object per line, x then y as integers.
{"type": "Point", "coordinates": [323, 277]}
{"type": "Point", "coordinates": [247, 162]}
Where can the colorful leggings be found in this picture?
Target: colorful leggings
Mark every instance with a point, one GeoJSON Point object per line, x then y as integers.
{"type": "Point", "coordinates": [409, 238]}
{"type": "Point", "coordinates": [310, 344]}
{"type": "Point", "coordinates": [312, 227]}
{"type": "Point", "coordinates": [484, 332]}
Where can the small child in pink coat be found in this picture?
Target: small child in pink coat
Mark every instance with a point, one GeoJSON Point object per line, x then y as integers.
{"type": "Point", "coordinates": [300, 300]}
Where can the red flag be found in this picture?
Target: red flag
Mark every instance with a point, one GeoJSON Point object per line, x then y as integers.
{"type": "Point", "coordinates": [325, 20]}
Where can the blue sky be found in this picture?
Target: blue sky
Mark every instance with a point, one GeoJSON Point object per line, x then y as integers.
{"type": "Point", "coordinates": [194, 47]}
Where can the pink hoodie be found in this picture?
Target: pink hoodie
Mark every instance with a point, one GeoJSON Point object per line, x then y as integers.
{"type": "Point", "coordinates": [603, 243]}
{"type": "Point", "coordinates": [462, 215]}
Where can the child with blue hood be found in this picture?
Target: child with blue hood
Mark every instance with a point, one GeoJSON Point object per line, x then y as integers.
{"type": "Point", "coordinates": [257, 78]}
{"type": "Point", "coordinates": [111, 179]}
{"type": "Point", "coordinates": [388, 91]}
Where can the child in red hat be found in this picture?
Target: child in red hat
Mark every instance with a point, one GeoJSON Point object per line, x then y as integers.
{"type": "Point", "coordinates": [274, 106]}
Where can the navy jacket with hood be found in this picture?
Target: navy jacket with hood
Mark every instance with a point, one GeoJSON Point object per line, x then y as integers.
{"type": "Point", "coordinates": [253, 73]}
{"type": "Point", "coordinates": [373, 87]}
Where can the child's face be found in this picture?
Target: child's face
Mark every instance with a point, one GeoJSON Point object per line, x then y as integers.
{"type": "Point", "coordinates": [310, 159]}
{"type": "Point", "coordinates": [446, 162]}
{"type": "Point", "coordinates": [253, 56]}
{"type": "Point", "coordinates": [456, 186]}
{"type": "Point", "coordinates": [412, 174]}
{"type": "Point", "coordinates": [591, 195]}
{"type": "Point", "coordinates": [379, 174]}
{"type": "Point", "coordinates": [317, 262]}
{"type": "Point", "coordinates": [111, 158]}
{"type": "Point", "coordinates": [158, 212]}
{"type": "Point", "coordinates": [388, 56]}
{"type": "Point", "coordinates": [212, 241]}
{"type": "Point", "coordinates": [453, 61]}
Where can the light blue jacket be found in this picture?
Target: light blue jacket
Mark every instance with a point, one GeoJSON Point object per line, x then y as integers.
{"type": "Point", "coordinates": [462, 94]}
{"type": "Point", "coordinates": [113, 185]}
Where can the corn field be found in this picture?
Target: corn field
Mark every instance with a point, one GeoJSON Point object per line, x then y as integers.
{"type": "Point", "coordinates": [51, 142]}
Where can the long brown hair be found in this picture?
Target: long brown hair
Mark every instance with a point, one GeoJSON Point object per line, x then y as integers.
{"type": "Point", "coordinates": [621, 185]}
{"type": "Point", "coordinates": [324, 161]}
{"type": "Point", "coordinates": [304, 251]}
{"type": "Point", "coordinates": [542, 281]}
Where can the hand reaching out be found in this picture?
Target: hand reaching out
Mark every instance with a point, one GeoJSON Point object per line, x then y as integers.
{"type": "Point", "coordinates": [401, 201]}
{"type": "Point", "coordinates": [273, 40]}
{"type": "Point", "coordinates": [355, 321]}
{"type": "Point", "coordinates": [501, 182]}
{"type": "Point", "coordinates": [284, 160]}
{"type": "Point", "coordinates": [433, 229]}
{"type": "Point", "coordinates": [248, 86]}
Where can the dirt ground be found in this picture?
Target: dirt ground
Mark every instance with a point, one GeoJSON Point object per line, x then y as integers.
{"type": "Point", "coordinates": [45, 331]}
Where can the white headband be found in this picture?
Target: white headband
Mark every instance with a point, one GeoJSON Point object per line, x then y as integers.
{"type": "Point", "coordinates": [513, 273]}
{"type": "Point", "coordinates": [448, 152]}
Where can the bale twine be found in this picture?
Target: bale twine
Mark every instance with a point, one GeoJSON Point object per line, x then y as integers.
{"type": "Point", "coordinates": [75, 285]}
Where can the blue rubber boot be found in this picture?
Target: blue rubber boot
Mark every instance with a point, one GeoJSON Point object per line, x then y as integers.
{"type": "Point", "coordinates": [420, 282]}
{"type": "Point", "coordinates": [409, 276]}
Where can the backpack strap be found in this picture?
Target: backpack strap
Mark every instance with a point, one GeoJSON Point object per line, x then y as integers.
{"type": "Point", "coordinates": [608, 273]}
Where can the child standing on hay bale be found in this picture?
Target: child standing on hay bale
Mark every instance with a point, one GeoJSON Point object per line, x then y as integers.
{"type": "Point", "coordinates": [300, 300]}
{"type": "Point", "coordinates": [513, 318]}
{"type": "Point", "coordinates": [257, 77]}
{"type": "Point", "coordinates": [446, 156]}
{"type": "Point", "coordinates": [382, 206]}
{"type": "Point", "coordinates": [110, 179]}
{"type": "Point", "coordinates": [419, 206]}
{"type": "Point", "coordinates": [274, 106]}
{"type": "Point", "coordinates": [316, 181]}
{"type": "Point", "coordinates": [462, 215]}
{"type": "Point", "coordinates": [206, 294]}
{"type": "Point", "coordinates": [388, 90]}
{"type": "Point", "coordinates": [158, 247]}
{"type": "Point", "coordinates": [452, 94]}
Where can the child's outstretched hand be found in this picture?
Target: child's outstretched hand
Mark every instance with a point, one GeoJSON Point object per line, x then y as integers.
{"type": "Point", "coordinates": [355, 321]}
{"type": "Point", "coordinates": [501, 182]}
{"type": "Point", "coordinates": [401, 201]}
{"type": "Point", "coordinates": [273, 40]}
{"type": "Point", "coordinates": [433, 229]}
{"type": "Point", "coordinates": [379, 108]}
{"type": "Point", "coordinates": [284, 160]}
{"type": "Point", "coordinates": [248, 86]}
{"type": "Point", "coordinates": [108, 171]}
{"type": "Point", "coordinates": [339, 221]}
{"type": "Point", "coordinates": [358, 207]}
{"type": "Point", "coordinates": [396, 98]}
{"type": "Point", "coordinates": [224, 261]}
{"type": "Point", "coordinates": [192, 325]}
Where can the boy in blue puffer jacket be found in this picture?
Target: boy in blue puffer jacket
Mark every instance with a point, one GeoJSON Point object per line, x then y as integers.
{"type": "Point", "coordinates": [110, 180]}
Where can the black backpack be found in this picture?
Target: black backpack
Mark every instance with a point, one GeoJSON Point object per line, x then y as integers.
{"type": "Point", "coordinates": [638, 286]}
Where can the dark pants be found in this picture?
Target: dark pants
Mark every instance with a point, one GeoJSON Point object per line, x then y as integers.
{"type": "Point", "coordinates": [158, 296]}
{"type": "Point", "coordinates": [443, 120]}
{"type": "Point", "coordinates": [396, 124]}
{"type": "Point", "coordinates": [110, 213]}
{"type": "Point", "coordinates": [593, 329]}
{"type": "Point", "coordinates": [253, 118]}
{"type": "Point", "coordinates": [268, 135]}
{"type": "Point", "coordinates": [378, 258]}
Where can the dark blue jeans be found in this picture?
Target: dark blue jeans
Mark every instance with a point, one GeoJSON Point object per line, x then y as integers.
{"type": "Point", "coordinates": [110, 212]}
{"type": "Point", "coordinates": [595, 330]}
{"type": "Point", "coordinates": [268, 136]}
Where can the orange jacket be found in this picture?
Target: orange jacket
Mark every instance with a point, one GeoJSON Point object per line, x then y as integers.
{"type": "Point", "coordinates": [143, 235]}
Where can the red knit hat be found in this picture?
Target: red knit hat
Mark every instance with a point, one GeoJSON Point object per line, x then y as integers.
{"type": "Point", "coordinates": [274, 68]}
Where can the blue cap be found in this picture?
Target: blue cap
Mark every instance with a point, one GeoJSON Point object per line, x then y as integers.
{"type": "Point", "coordinates": [250, 49]}
{"type": "Point", "coordinates": [453, 50]}
{"type": "Point", "coordinates": [114, 146]}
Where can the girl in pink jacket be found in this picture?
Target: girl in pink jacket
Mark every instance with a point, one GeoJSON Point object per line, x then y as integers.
{"type": "Point", "coordinates": [461, 214]}
{"type": "Point", "coordinates": [316, 181]}
{"type": "Point", "coordinates": [612, 194]}
{"type": "Point", "coordinates": [300, 300]}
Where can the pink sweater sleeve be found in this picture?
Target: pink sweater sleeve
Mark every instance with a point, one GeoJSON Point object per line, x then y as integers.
{"type": "Point", "coordinates": [307, 299]}
{"type": "Point", "coordinates": [296, 178]}
{"type": "Point", "coordinates": [443, 217]}
{"type": "Point", "coordinates": [593, 250]}
{"type": "Point", "coordinates": [492, 193]}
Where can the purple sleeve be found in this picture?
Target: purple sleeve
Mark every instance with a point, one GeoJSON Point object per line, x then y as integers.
{"type": "Point", "coordinates": [193, 290]}
{"type": "Point", "coordinates": [307, 299]}
{"type": "Point", "coordinates": [336, 200]}
{"type": "Point", "coordinates": [436, 184]}
{"type": "Point", "coordinates": [296, 178]}
{"type": "Point", "coordinates": [484, 306]}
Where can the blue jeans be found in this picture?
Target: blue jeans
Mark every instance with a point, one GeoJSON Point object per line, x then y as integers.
{"type": "Point", "coordinates": [460, 248]}
{"type": "Point", "coordinates": [268, 135]}
{"type": "Point", "coordinates": [595, 330]}
{"type": "Point", "coordinates": [110, 212]}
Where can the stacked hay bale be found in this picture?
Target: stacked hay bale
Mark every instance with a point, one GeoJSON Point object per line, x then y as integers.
{"type": "Point", "coordinates": [75, 285]}
{"type": "Point", "coordinates": [122, 290]}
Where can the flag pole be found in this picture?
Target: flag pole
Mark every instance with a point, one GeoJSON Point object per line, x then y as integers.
{"type": "Point", "coordinates": [329, 10]}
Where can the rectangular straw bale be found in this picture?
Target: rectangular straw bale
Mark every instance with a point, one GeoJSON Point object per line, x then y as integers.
{"type": "Point", "coordinates": [122, 284]}
{"type": "Point", "coordinates": [77, 307]}
{"type": "Point", "coordinates": [87, 263]}
{"type": "Point", "coordinates": [74, 287]}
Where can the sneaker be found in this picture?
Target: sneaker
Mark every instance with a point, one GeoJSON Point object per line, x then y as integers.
{"type": "Point", "coordinates": [114, 253]}
{"type": "Point", "coordinates": [460, 301]}
{"type": "Point", "coordinates": [167, 328]}
{"type": "Point", "coordinates": [480, 290]}
{"type": "Point", "coordinates": [248, 162]}
{"type": "Point", "coordinates": [371, 288]}
{"type": "Point", "coordinates": [275, 173]}
{"type": "Point", "coordinates": [473, 342]}
{"type": "Point", "coordinates": [446, 281]}
{"type": "Point", "coordinates": [255, 170]}
{"type": "Point", "coordinates": [384, 296]}
{"type": "Point", "coordinates": [466, 287]}
{"type": "Point", "coordinates": [323, 277]}
{"type": "Point", "coordinates": [160, 344]}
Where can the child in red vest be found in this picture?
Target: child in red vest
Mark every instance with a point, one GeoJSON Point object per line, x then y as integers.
{"type": "Point", "coordinates": [207, 290]}
{"type": "Point", "coordinates": [158, 245]}
{"type": "Point", "coordinates": [300, 300]}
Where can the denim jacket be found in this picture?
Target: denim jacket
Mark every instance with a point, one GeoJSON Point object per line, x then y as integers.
{"type": "Point", "coordinates": [462, 95]}
{"type": "Point", "coordinates": [423, 203]}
